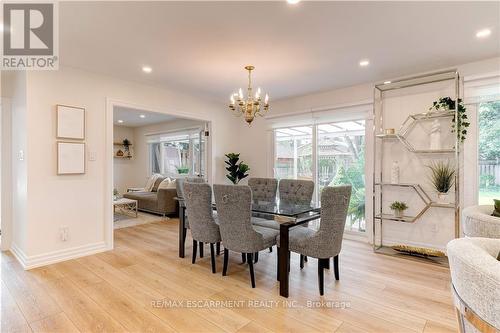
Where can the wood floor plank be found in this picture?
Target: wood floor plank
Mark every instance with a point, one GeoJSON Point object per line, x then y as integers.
{"type": "Point", "coordinates": [33, 301]}
{"type": "Point", "coordinates": [135, 286]}
{"type": "Point", "coordinates": [12, 319]}
{"type": "Point", "coordinates": [58, 323]}
{"type": "Point", "coordinates": [87, 315]}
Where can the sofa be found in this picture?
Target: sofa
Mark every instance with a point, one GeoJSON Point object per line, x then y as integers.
{"type": "Point", "coordinates": [475, 277]}
{"type": "Point", "coordinates": [158, 200]}
{"type": "Point", "coordinates": [478, 222]}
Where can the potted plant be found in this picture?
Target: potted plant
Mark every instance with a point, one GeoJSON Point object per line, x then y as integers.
{"type": "Point", "coordinates": [126, 144]}
{"type": "Point", "coordinates": [116, 194]}
{"type": "Point", "coordinates": [182, 170]}
{"type": "Point", "coordinates": [399, 208]}
{"type": "Point", "coordinates": [237, 171]}
{"type": "Point", "coordinates": [446, 104]}
{"type": "Point", "coordinates": [442, 178]}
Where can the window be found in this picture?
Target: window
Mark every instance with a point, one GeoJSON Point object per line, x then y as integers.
{"type": "Point", "coordinates": [489, 151]}
{"type": "Point", "coordinates": [178, 154]}
{"type": "Point", "coordinates": [293, 153]}
{"type": "Point", "coordinates": [329, 154]}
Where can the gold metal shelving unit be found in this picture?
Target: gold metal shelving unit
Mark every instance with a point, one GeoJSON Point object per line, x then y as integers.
{"type": "Point", "coordinates": [402, 136]}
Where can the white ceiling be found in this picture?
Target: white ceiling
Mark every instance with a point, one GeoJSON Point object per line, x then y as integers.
{"type": "Point", "coordinates": [131, 117]}
{"type": "Point", "coordinates": [201, 47]}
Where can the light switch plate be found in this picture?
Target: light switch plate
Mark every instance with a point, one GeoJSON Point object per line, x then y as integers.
{"type": "Point", "coordinates": [21, 155]}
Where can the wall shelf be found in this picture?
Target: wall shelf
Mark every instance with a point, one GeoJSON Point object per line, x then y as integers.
{"type": "Point", "coordinates": [390, 217]}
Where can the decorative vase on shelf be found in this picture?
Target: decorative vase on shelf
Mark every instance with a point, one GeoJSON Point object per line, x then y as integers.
{"type": "Point", "coordinates": [399, 213]}
{"type": "Point", "coordinates": [395, 173]}
{"type": "Point", "coordinates": [435, 135]}
{"type": "Point", "coordinates": [444, 198]}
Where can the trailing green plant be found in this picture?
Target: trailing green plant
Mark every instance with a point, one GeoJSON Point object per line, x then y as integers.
{"type": "Point", "coordinates": [237, 171]}
{"type": "Point", "coordinates": [442, 176]}
{"type": "Point", "coordinates": [460, 126]}
{"type": "Point", "coordinates": [399, 205]}
{"type": "Point", "coordinates": [182, 170]}
{"type": "Point", "coordinates": [126, 144]}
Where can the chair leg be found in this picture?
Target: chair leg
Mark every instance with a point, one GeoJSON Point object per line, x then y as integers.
{"type": "Point", "coordinates": [305, 258]}
{"type": "Point", "coordinates": [321, 277]}
{"type": "Point", "coordinates": [256, 257]}
{"type": "Point", "coordinates": [195, 245]}
{"type": "Point", "coordinates": [201, 249]}
{"type": "Point", "coordinates": [218, 248]}
{"type": "Point", "coordinates": [289, 260]}
{"type": "Point", "coordinates": [250, 266]}
{"type": "Point", "coordinates": [336, 267]}
{"type": "Point", "coordinates": [212, 256]}
{"type": "Point", "coordinates": [327, 263]}
{"type": "Point", "coordinates": [271, 249]}
{"type": "Point", "coordinates": [302, 259]}
{"type": "Point", "coordinates": [226, 259]}
{"type": "Point", "coordinates": [243, 258]}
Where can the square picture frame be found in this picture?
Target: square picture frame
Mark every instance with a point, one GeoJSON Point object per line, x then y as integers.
{"type": "Point", "coordinates": [70, 122]}
{"type": "Point", "coordinates": [70, 158]}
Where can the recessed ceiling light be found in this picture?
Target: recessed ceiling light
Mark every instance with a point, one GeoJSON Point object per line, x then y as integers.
{"type": "Point", "coordinates": [147, 69]}
{"type": "Point", "coordinates": [387, 82]}
{"type": "Point", "coordinates": [483, 33]}
{"type": "Point", "coordinates": [142, 116]}
{"type": "Point", "coordinates": [120, 121]}
{"type": "Point", "coordinates": [293, 2]}
{"type": "Point", "coordinates": [364, 63]}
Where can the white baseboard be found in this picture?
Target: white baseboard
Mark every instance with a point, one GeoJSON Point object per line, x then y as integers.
{"type": "Point", "coordinates": [56, 256]}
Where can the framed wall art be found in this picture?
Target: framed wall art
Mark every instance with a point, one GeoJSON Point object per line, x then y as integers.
{"type": "Point", "coordinates": [70, 158]}
{"type": "Point", "coordinates": [70, 122]}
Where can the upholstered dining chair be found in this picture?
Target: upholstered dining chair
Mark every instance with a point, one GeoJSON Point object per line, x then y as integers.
{"type": "Point", "coordinates": [326, 242]}
{"type": "Point", "coordinates": [263, 189]}
{"type": "Point", "coordinates": [204, 229]}
{"type": "Point", "coordinates": [234, 207]}
{"type": "Point", "coordinates": [179, 186]}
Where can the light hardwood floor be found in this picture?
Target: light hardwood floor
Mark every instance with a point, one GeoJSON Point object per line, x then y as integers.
{"type": "Point", "coordinates": [114, 291]}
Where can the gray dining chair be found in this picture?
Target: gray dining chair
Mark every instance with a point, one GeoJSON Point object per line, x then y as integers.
{"type": "Point", "coordinates": [263, 189]}
{"type": "Point", "coordinates": [234, 207]}
{"type": "Point", "coordinates": [179, 186]}
{"type": "Point", "coordinates": [204, 229]}
{"type": "Point", "coordinates": [326, 242]}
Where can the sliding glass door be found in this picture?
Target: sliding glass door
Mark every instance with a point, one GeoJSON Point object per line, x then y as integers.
{"type": "Point", "coordinates": [329, 154]}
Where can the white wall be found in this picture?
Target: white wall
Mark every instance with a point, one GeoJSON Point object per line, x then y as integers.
{"type": "Point", "coordinates": [123, 168]}
{"type": "Point", "coordinates": [78, 201]}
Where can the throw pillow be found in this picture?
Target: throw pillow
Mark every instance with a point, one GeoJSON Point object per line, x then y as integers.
{"type": "Point", "coordinates": [156, 184]}
{"type": "Point", "coordinates": [496, 211]}
{"type": "Point", "coordinates": [164, 184]}
{"type": "Point", "coordinates": [172, 184]}
{"type": "Point", "coordinates": [151, 182]}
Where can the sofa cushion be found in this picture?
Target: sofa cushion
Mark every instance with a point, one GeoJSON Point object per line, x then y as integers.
{"type": "Point", "coordinates": [151, 181]}
{"type": "Point", "coordinates": [157, 183]}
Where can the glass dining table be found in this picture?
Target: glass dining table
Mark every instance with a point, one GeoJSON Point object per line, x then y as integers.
{"type": "Point", "coordinates": [287, 215]}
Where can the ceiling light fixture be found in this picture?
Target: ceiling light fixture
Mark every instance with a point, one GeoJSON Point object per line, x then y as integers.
{"type": "Point", "coordinates": [142, 116]}
{"type": "Point", "coordinates": [364, 63]}
{"type": "Point", "coordinates": [250, 106]}
{"type": "Point", "coordinates": [147, 69]}
{"type": "Point", "coordinates": [483, 33]}
{"type": "Point", "coordinates": [293, 2]}
{"type": "Point", "coordinates": [120, 121]}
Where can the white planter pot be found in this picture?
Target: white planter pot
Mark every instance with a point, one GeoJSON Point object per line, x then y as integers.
{"type": "Point", "coordinates": [398, 213]}
{"type": "Point", "coordinates": [444, 198]}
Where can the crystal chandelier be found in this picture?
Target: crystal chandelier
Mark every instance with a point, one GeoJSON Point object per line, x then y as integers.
{"type": "Point", "coordinates": [250, 106]}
